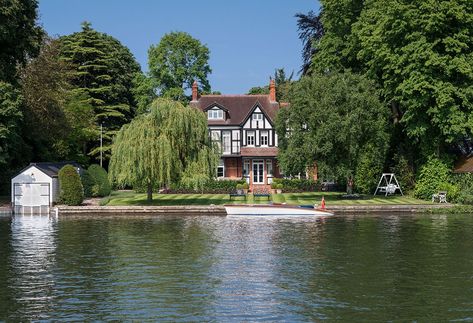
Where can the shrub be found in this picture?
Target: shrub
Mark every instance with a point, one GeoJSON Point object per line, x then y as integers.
{"type": "Point", "coordinates": [239, 186]}
{"type": "Point", "coordinates": [87, 183]}
{"type": "Point", "coordinates": [279, 186]}
{"type": "Point", "coordinates": [101, 185]}
{"type": "Point", "coordinates": [296, 185]}
{"type": "Point", "coordinates": [434, 176]}
{"type": "Point", "coordinates": [210, 187]}
{"type": "Point", "coordinates": [465, 181]}
{"type": "Point", "coordinates": [274, 185]}
{"type": "Point", "coordinates": [368, 170]}
{"type": "Point", "coordinates": [404, 173]}
{"type": "Point", "coordinates": [71, 190]}
{"type": "Point", "coordinates": [246, 186]}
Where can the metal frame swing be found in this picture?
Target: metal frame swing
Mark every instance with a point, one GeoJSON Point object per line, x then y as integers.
{"type": "Point", "coordinates": [391, 184]}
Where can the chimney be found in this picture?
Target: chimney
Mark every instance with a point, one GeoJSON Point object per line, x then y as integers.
{"type": "Point", "coordinates": [195, 93]}
{"type": "Point", "coordinates": [272, 91]}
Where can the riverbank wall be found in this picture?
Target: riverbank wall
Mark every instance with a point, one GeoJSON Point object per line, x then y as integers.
{"type": "Point", "coordinates": [219, 210]}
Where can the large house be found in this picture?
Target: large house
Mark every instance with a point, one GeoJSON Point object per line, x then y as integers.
{"type": "Point", "coordinates": [243, 127]}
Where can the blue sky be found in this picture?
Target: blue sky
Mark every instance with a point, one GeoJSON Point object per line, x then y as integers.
{"type": "Point", "coordinates": [247, 39]}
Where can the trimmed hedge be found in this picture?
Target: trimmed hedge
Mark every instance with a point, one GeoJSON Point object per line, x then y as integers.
{"type": "Point", "coordinates": [211, 187]}
{"type": "Point", "coordinates": [87, 183]}
{"type": "Point", "coordinates": [101, 186]}
{"type": "Point", "coordinates": [71, 190]}
{"type": "Point", "coordinates": [296, 185]}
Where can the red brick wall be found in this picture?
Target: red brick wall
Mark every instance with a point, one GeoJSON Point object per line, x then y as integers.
{"type": "Point", "coordinates": [233, 167]}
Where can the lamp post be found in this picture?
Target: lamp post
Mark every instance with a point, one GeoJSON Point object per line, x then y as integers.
{"type": "Point", "coordinates": [101, 141]}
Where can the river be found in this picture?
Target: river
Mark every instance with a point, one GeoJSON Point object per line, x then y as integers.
{"type": "Point", "coordinates": [181, 269]}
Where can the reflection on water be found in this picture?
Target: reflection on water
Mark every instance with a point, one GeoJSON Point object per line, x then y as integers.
{"type": "Point", "coordinates": [237, 269]}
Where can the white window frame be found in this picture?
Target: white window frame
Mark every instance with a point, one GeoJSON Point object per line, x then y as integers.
{"type": "Point", "coordinates": [226, 135]}
{"type": "Point", "coordinates": [253, 136]}
{"type": "Point", "coordinates": [221, 166]}
{"type": "Point", "coordinates": [264, 134]}
{"type": "Point", "coordinates": [215, 114]}
{"type": "Point", "coordinates": [257, 116]}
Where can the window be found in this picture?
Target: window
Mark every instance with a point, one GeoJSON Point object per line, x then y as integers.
{"type": "Point", "coordinates": [264, 138]}
{"type": "Point", "coordinates": [221, 169]}
{"type": "Point", "coordinates": [226, 142]}
{"type": "Point", "coordinates": [215, 114]}
{"type": "Point", "coordinates": [246, 167]}
{"type": "Point", "coordinates": [215, 136]}
{"type": "Point", "coordinates": [250, 138]}
{"type": "Point", "coordinates": [235, 141]}
{"type": "Point", "coordinates": [269, 166]}
{"type": "Point", "coordinates": [257, 117]}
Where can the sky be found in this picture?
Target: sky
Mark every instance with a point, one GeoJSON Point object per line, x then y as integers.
{"type": "Point", "coordinates": [248, 39]}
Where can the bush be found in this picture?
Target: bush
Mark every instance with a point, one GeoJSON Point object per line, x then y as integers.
{"type": "Point", "coordinates": [101, 186]}
{"type": "Point", "coordinates": [246, 186]}
{"type": "Point", "coordinates": [71, 190]}
{"type": "Point", "coordinates": [87, 183]}
{"type": "Point", "coordinates": [210, 187]}
{"type": "Point", "coordinates": [296, 185]}
{"type": "Point", "coordinates": [434, 176]}
{"type": "Point", "coordinates": [404, 173]}
{"type": "Point", "coordinates": [279, 186]}
{"type": "Point", "coordinates": [465, 182]}
{"type": "Point", "coordinates": [368, 170]}
{"type": "Point", "coordinates": [239, 186]}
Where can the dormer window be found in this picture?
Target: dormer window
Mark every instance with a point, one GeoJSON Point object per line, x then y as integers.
{"type": "Point", "coordinates": [215, 114]}
{"type": "Point", "coordinates": [257, 117]}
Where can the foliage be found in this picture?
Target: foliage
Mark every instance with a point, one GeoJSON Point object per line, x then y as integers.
{"type": "Point", "coordinates": [311, 31]}
{"type": "Point", "coordinates": [211, 186]}
{"type": "Point", "coordinates": [71, 190]}
{"type": "Point", "coordinates": [282, 82]}
{"type": "Point", "coordinates": [172, 138]}
{"type": "Point", "coordinates": [87, 183]}
{"type": "Point", "coordinates": [101, 185]}
{"type": "Point", "coordinates": [20, 36]}
{"type": "Point", "coordinates": [296, 185]}
{"type": "Point", "coordinates": [333, 119]}
{"type": "Point", "coordinates": [337, 48]}
{"type": "Point", "coordinates": [10, 116]}
{"type": "Point", "coordinates": [104, 71]}
{"type": "Point", "coordinates": [279, 186]}
{"type": "Point", "coordinates": [465, 182]}
{"type": "Point", "coordinates": [420, 53]}
{"type": "Point", "coordinates": [239, 186]}
{"type": "Point", "coordinates": [143, 90]}
{"type": "Point", "coordinates": [404, 173]}
{"type": "Point", "coordinates": [369, 169]}
{"type": "Point", "coordinates": [246, 186]}
{"type": "Point", "coordinates": [435, 175]}
{"type": "Point", "coordinates": [176, 62]}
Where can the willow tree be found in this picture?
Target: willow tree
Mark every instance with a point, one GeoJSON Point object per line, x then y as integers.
{"type": "Point", "coordinates": [161, 146]}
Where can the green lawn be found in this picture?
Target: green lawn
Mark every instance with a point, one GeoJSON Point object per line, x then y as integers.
{"type": "Point", "coordinates": [331, 198]}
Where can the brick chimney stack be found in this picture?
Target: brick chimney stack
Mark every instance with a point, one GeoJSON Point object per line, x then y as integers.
{"type": "Point", "coordinates": [272, 91]}
{"type": "Point", "coordinates": [195, 93]}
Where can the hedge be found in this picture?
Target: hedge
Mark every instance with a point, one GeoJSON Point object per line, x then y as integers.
{"type": "Point", "coordinates": [297, 185]}
{"type": "Point", "coordinates": [71, 190]}
{"type": "Point", "coordinates": [101, 186]}
{"type": "Point", "coordinates": [87, 183]}
{"type": "Point", "coordinates": [211, 187]}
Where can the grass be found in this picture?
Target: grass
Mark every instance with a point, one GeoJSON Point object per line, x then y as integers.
{"type": "Point", "coordinates": [331, 198]}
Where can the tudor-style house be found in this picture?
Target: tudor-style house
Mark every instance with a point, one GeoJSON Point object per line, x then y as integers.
{"type": "Point", "coordinates": [243, 127]}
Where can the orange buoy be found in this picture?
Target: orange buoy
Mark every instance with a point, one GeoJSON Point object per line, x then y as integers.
{"type": "Point", "coordinates": [322, 204]}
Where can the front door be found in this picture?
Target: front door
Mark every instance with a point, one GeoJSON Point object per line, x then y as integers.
{"type": "Point", "coordinates": [258, 171]}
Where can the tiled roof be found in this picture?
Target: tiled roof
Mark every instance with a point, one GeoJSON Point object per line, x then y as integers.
{"type": "Point", "coordinates": [259, 151]}
{"type": "Point", "coordinates": [464, 165]}
{"type": "Point", "coordinates": [238, 107]}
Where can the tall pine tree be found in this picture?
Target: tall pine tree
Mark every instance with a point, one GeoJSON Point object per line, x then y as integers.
{"type": "Point", "coordinates": [104, 72]}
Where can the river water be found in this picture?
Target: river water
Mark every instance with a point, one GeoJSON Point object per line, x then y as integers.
{"type": "Point", "coordinates": [343, 268]}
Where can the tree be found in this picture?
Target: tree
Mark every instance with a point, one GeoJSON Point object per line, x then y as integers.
{"type": "Point", "coordinates": [282, 82]}
{"type": "Point", "coordinates": [101, 185]}
{"type": "Point", "coordinates": [176, 62]}
{"type": "Point", "coordinates": [337, 48]}
{"type": "Point", "coordinates": [70, 185]}
{"type": "Point", "coordinates": [143, 90]}
{"type": "Point", "coordinates": [20, 36]}
{"type": "Point", "coordinates": [104, 71]}
{"type": "Point", "coordinates": [333, 119]}
{"type": "Point", "coordinates": [10, 117]}
{"type": "Point", "coordinates": [157, 147]}
{"type": "Point", "coordinates": [420, 52]}
{"type": "Point", "coordinates": [310, 32]}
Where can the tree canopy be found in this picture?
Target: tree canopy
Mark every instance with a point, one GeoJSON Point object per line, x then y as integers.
{"type": "Point", "coordinates": [334, 120]}
{"type": "Point", "coordinates": [104, 71]}
{"type": "Point", "coordinates": [159, 147]}
{"type": "Point", "coordinates": [176, 62]}
{"type": "Point", "coordinates": [20, 35]}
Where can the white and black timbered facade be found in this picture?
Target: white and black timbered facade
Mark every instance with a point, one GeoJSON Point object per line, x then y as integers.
{"type": "Point", "coordinates": [243, 127]}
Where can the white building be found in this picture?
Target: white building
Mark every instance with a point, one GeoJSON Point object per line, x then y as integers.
{"type": "Point", "coordinates": [36, 187]}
